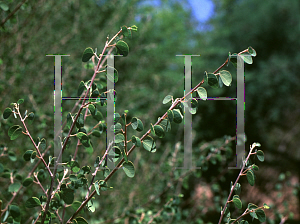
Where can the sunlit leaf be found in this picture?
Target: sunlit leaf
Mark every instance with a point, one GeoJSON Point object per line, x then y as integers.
{"type": "Point", "coordinates": [226, 77]}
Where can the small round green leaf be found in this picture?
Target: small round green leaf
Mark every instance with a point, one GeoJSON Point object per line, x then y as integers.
{"type": "Point", "coordinates": [92, 109]}
{"type": "Point", "coordinates": [74, 165]}
{"type": "Point", "coordinates": [14, 211]}
{"type": "Point", "coordinates": [116, 128]}
{"type": "Point", "coordinates": [83, 138]}
{"type": "Point", "coordinates": [41, 175]}
{"type": "Point", "coordinates": [202, 93]}
{"type": "Point", "coordinates": [43, 144]}
{"type": "Point", "coordinates": [85, 141]}
{"type": "Point", "coordinates": [255, 167]}
{"type": "Point", "coordinates": [212, 80]}
{"type": "Point", "coordinates": [96, 186]}
{"type": "Point", "coordinates": [220, 83]}
{"type": "Point", "coordinates": [76, 205]}
{"type": "Point", "coordinates": [103, 185]}
{"type": "Point", "coordinates": [119, 138]}
{"type": "Point", "coordinates": [247, 58]}
{"type": "Point", "coordinates": [266, 206]}
{"type": "Point", "coordinates": [260, 155]}
{"type": "Point", "coordinates": [20, 101]}
{"type": "Point", "coordinates": [27, 155]}
{"type": "Point", "coordinates": [86, 169]}
{"type": "Point", "coordinates": [5, 174]}
{"type": "Point", "coordinates": [261, 215]}
{"type": "Point", "coordinates": [237, 188]}
{"type": "Point", "coordinates": [30, 117]}
{"type": "Point", "coordinates": [117, 117]}
{"type": "Point", "coordinates": [226, 77]}
{"type": "Point", "coordinates": [102, 128]}
{"type": "Point", "coordinates": [87, 54]}
{"type": "Point", "coordinates": [250, 177]}
{"type": "Point", "coordinates": [128, 168]}
{"type": "Point", "coordinates": [149, 144]}
{"type": "Point", "coordinates": [129, 33]}
{"type": "Point", "coordinates": [14, 187]}
{"type": "Point", "coordinates": [4, 6]}
{"type": "Point", "coordinates": [159, 131]}
{"type": "Point", "coordinates": [14, 132]}
{"type": "Point", "coordinates": [98, 116]}
{"type": "Point", "coordinates": [81, 88]}
{"type": "Point", "coordinates": [12, 129]}
{"type": "Point", "coordinates": [137, 124]}
{"type": "Point", "coordinates": [32, 202]}
{"type": "Point", "coordinates": [256, 144]}
{"type": "Point", "coordinates": [177, 116]}
{"type": "Point", "coordinates": [80, 121]}
{"type": "Point", "coordinates": [124, 31]}
{"type": "Point", "coordinates": [194, 106]}
{"type": "Point", "coordinates": [134, 28]}
{"type": "Point", "coordinates": [114, 154]}
{"type": "Point", "coordinates": [96, 133]}
{"type": "Point", "coordinates": [136, 141]}
{"type": "Point", "coordinates": [167, 99]}
{"type": "Point", "coordinates": [7, 112]}
{"type": "Point", "coordinates": [152, 129]}
{"type": "Point", "coordinates": [67, 195]}
{"type": "Point", "coordinates": [32, 157]}
{"type": "Point", "coordinates": [252, 51]}
{"type": "Point", "coordinates": [28, 181]}
{"type": "Point", "coordinates": [237, 202]}
{"type": "Point", "coordinates": [252, 206]}
{"type": "Point", "coordinates": [12, 156]}
{"type": "Point", "coordinates": [122, 47]}
{"type": "Point", "coordinates": [81, 220]}
{"type": "Point", "coordinates": [69, 120]}
{"type": "Point", "coordinates": [170, 115]}
{"type": "Point", "coordinates": [166, 124]}
{"type": "Point", "coordinates": [112, 74]}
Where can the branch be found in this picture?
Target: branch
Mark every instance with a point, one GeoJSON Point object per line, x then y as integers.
{"type": "Point", "coordinates": [133, 147]}
{"type": "Point", "coordinates": [12, 13]}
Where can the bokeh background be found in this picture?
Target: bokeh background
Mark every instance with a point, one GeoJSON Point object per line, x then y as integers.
{"type": "Point", "coordinates": [149, 73]}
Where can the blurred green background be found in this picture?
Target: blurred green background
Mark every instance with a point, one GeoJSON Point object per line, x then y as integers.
{"type": "Point", "coordinates": [149, 73]}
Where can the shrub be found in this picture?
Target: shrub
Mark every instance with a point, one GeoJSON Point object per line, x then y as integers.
{"type": "Point", "coordinates": [63, 180]}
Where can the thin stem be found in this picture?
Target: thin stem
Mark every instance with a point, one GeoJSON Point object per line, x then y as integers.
{"type": "Point", "coordinates": [246, 212]}
{"type": "Point", "coordinates": [30, 173]}
{"type": "Point", "coordinates": [225, 63]}
{"type": "Point", "coordinates": [97, 168]}
{"type": "Point", "coordinates": [125, 134]}
{"type": "Point", "coordinates": [29, 135]}
{"type": "Point", "coordinates": [237, 179]}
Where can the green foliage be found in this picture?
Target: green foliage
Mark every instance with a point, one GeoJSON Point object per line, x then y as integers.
{"type": "Point", "coordinates": [148, 76]}
{"type": "Point", "coordinates": [77, 179]}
